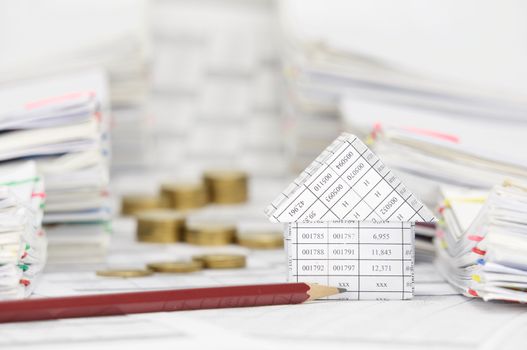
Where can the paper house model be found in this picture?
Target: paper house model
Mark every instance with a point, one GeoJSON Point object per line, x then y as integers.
{"type": "Point", "coordinates": [349, 223]}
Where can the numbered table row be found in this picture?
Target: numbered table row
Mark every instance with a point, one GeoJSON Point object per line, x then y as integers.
{"type": "Point", "coordinates": [352, 251]}
{"type": "Point", "coordinates": [346, 235]}
{"type": "Point", "coordinates": [351, 267]}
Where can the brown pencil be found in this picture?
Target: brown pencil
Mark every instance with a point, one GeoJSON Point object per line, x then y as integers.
{"type": "Point", "coordinates": [163, 300]}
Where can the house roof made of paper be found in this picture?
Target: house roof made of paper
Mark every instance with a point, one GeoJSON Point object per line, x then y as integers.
{"type": "Point", "coordinates": [347, 182]}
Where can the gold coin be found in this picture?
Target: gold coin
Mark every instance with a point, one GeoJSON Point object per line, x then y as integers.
{"type": "Point", "coordinates": [183, 196]}
{"type": "Point", "coordinates": [221, 261]}
{"type": "Point", "coordinates": [263, 240]}
{"type": "Point", "coordinates": [176, 266]}
{"type": "Point", "coordinates": [124, 273]}
{"type": "Point", "coordinates": [210, 234]}
{"type": "Point", "coordinates": [160, 226]}
{"type": "Point", "coordinates": [132, 204]}
{"type": "Point", "coordinates": [226, 186]}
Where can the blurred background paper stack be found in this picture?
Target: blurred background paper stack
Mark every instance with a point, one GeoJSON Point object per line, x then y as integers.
{"type": "Point", "coordinates": [310, 103]}
{"type": "Point", "coordinates": [402, 59]}
{"type": "Point", "coordinates": [482, 242]}
{"type": "Point", "coordinates": [84, 35]}
{"type": "Point", "coordinates": [431, 148]}
{"type": "Point", "coordinates": [22, 240]}
{"type": "Point", "coordinates": [60, 121]}
{"type": "Point", "coordinates": [215, 87]}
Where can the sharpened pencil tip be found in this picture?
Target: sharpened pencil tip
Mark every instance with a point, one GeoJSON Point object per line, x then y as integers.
{"type": "Point", "coordinates": [342, 290]}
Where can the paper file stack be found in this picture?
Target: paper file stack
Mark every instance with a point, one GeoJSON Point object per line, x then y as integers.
{"type": "Point", "coordinates": [22, 240]}
{"type": "Point", "coordinates": [482, 242]}
{"type": "Point", "coordinates": [86, 35]}
{"type": "Point", "coordinates": [431, 158]}
{"type": "Point", "coordinates": [353, 57]}
{"type": "Point", "coordinates": [60, 122]}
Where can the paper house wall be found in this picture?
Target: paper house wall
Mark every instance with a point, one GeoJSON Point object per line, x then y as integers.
{"type": "Point", "coordinates": [349, 222]}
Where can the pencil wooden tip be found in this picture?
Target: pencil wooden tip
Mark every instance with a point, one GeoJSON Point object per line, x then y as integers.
{"type": "Point", "coordinates": [317, 291]}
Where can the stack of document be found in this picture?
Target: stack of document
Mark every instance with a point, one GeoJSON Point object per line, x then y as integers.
{"type": "Point", "coordinates": [402, 60]}
{"type": "Point", "coordinates": [60, 122]}
{"type": "Point", "coordinates": [444, 122]}
{"type": "Point", "coordinates": [482, 242]}
{"type": "Point", "coordinates": [86, 35]}
{"type": "Point", "coordinates": [22, 240]}
{"type": "Point", "coordinates": [430, 157]}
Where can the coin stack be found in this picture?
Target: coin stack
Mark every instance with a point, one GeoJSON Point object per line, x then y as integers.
{"type": "Point", "coordinates": [176, 266]}
{"type": "Point", "coordinates": [160, 226]}
{"type": "Point", "coordinates": [261, 240]}
{"type": "Point", "coordinates": [124, 273]}
{"type": "Point", "coordinates": [259, 234]}
{"type": "Point", "coordinates": [184, 196]}
{"type": "Point", "coordinates": [221, 261]}
{"type": "Point", "coordinates": [226, 186]}
{"type": "Point", "coordinates": [210, 234]}
{"type": "Point", "coordinates": [133, 204]}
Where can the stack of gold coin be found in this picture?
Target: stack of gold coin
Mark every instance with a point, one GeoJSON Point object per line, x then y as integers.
{"type": "Point", "coordinates": [134, 204]}
{"type": "Point", "coordinates": [226, 187]}
{"type": "Point", "coordinates": [160, 226]}
{"type": "Point", "coordinates": [184, 196]}
{"type": "Point", "coordinates": [221, 261]}
{"type": "Point", "coordinates": [124, 273]}
{"type": "Point", "coordinates": [210, 234]}
{"type": "Point", "coordinates": [176, 266]}
{"type": "Point", "coordinates": [261, 240]}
